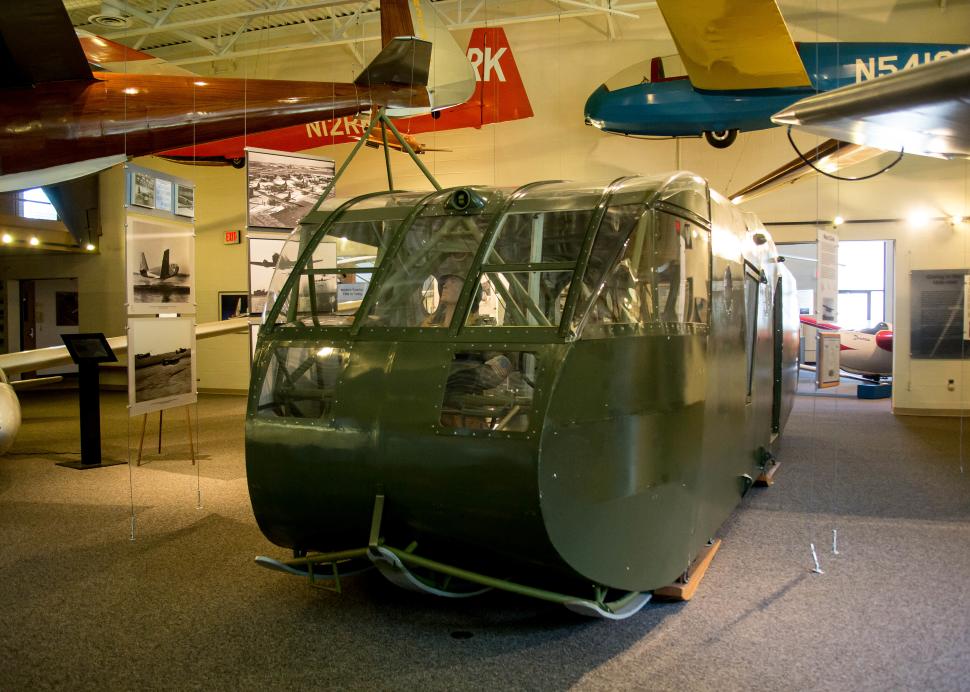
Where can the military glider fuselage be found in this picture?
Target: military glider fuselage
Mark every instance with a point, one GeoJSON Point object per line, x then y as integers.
{"type": "Point", "coordinates": [647, 100]}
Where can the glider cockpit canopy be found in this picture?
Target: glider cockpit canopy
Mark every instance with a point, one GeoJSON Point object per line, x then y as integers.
{"type": "Point", "coordinates": [548, 258]}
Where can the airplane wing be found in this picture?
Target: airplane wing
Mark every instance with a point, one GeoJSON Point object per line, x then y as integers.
{"type": "Point", "coordinates": [38, 44]}
{"type": "Point", "coordinates": [924, 110]}
{"type": "Point", "coordinates": [78, 206]}
{"type": "Point", "coordinates": [734, 44]}
{"type": "Point", "coordinates": [40, 358]}
{"type": "Point", "coordinates": [830, 156]}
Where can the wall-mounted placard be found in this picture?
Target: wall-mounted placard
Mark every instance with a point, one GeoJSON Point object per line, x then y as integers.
{"type": "Point", "coordinates": [937, 314]}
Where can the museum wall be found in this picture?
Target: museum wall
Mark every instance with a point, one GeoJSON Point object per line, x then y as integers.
{"type": "Point", "coordinates": [100, 275]}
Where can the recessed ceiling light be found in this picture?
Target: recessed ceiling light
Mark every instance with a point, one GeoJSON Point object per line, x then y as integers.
{"type": "Point", "coordinates": [7, 238]}
{"type": "Point", "coordinates": [89, 247]}
{"type": "Point", "coordinates": [34, 241]}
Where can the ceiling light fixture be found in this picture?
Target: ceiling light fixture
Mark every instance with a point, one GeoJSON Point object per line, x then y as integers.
{"type": "Point", "coordinates": [838, 221]}
{"type": "Point", "coordinates": [89, 247]}
{"type": "Point", "coordinates": [34, 241]}
{"type": "Point", "coordinates": [7, 238]}
{"type": "Point", "coordinates": [110, 17]}
{"type": "Point", "coordinates": [918, 218]}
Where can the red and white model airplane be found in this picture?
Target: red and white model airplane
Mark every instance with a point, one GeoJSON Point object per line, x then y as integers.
{"type": "Point", "coordinates": [866, 352]}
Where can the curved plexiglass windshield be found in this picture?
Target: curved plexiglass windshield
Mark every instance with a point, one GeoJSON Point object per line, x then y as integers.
{"type": "Point", "coordinates": [660, 69]}
{"type": "Point", "coordinates": [335, 278]}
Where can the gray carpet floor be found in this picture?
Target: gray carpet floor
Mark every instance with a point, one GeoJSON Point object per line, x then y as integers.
{"type": "Point", "coordinates": [182, 606]}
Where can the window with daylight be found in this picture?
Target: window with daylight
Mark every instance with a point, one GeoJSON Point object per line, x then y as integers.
{"type": "Point", "coordinates": [862, 283]}
{"type": "Point", "coordinates": [33, 204]}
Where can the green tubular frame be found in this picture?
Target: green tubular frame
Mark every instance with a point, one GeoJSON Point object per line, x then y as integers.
{"type": "Point", "coordinates": [407, 556]}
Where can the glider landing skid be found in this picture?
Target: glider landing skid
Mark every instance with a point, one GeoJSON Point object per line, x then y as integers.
{"type": "Point", "coordinates": [398, 566]}
{"type": "Point", "coordinates": [392, 569]}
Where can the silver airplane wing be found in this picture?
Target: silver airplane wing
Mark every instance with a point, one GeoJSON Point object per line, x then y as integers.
{"type": "Point", "coordinates": [924, 110]}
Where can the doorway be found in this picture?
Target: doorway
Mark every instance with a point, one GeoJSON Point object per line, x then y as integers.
{"type": "Point", "coordinates": [48, 308]}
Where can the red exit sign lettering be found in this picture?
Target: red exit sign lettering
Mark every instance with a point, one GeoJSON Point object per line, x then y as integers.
{"type": "Point", "coordinates": [232, 238]}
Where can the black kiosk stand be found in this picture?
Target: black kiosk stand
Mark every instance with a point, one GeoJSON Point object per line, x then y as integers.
{"type": "Point", "coordinates": [88, 351]}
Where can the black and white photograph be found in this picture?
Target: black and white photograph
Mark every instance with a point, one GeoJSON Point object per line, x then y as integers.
{"type": "Point", "coordinates": [163, 194]}
{"type": "Point", "coordinates": [283, 187]}
{"type": "Point", "coordinates": [143, 190]}
{"type": "Point", "coordinates": [160, 363]}
{"type": "Point", "coordinates": [185, 201]}
{"type": "Point", "coordinates": [160, 267]}
{"type": "Point", "coordinates": [263, 256]}
{"type": "Point", "coordinates": [233, 305]}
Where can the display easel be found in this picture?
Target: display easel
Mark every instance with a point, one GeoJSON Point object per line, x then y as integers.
{"type": "Point", "coordinates": [144, 425]}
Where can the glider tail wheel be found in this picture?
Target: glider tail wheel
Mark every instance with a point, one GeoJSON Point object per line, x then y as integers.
{"type": "Point", "coordinates": [237, 162]}
{"type": "Point", "coordinates": [721, 139]}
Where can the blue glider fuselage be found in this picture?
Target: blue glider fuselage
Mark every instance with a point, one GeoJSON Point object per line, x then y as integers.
{"type": "Point", "coordinates": [672, 107]}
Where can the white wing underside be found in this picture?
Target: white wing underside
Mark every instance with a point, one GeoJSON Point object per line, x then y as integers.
{"type": "Point", "coordinates": [37, 359]}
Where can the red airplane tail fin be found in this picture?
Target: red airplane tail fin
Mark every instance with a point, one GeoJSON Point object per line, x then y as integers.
{"type": "Point", "coordinates": [499, 92]}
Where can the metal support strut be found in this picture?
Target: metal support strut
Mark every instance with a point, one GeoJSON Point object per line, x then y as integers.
{"type": "Point", "coordinates": [386, 124]}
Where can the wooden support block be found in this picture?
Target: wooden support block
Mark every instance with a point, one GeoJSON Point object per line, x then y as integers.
{"type": "Point", "coordinates": [767, 477]}
{"type": "Point", "coordinates": [683, 589]}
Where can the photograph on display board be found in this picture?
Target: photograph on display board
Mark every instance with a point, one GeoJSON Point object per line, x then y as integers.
{"type": "Point", "coordinates": [282, 187]}
{"type": "Point", "coordinates": [160, 266]}
{"type": "Point", "coordinates": [263, 255]}
{"type": "Point", "coordinates": [163, 194]}
{"type": "Point", "coordinates": [143, 190]}
{"type": "Point", "coordinates": [185, 201]}
{"type": "Point", "coordinates": [161, 371]}
{"type": "Point", "coordinates": [233, 305]}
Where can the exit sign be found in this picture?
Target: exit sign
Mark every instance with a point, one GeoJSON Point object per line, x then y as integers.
{"type": "Point", "coordinates": [232, 238]}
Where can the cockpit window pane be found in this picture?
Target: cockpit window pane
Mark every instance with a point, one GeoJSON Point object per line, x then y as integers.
{"type": "Point", "coordinates": [552, 236]}
{"type": "Point", "coordinates": [334, 281]}
{"type": "Point", "coordinates": [661, 276]}
{"type": "Point", "coordinates": [521, 299]}
{"type": "Point", "coordinates": [424, 282]}
{"type": "Point", "coordinates": [301, 381]}
{"type": "Point", "coordinates": [615, 302]}
{"type": "Point", "coordinates": [490, 391]}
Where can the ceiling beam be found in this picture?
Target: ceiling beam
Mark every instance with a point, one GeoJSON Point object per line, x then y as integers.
{"type": "Point", "coordinates": [148, 19]}
{"type": "Point", "coordinates": [200, 21]}
{"type": "Point", "coordinates": [161, 20]}
{"type": "Point", "coordinates": [371, 19]}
